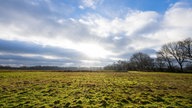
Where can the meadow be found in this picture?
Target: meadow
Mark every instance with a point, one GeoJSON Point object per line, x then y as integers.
{"type": "Point", "coordinates": [95, 89]}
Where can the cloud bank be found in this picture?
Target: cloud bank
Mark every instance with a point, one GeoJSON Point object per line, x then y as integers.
{"type": "Point", "coordinates": [47, 32]}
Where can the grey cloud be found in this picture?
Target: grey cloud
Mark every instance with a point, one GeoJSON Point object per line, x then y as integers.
{"type": "Point", "coordinates": [31, 61]}
{"type": "Point", "coordinates": [117, 45]}
{"type": "Point", "coordinates": [14, 52]}
{"type": "Point", "coordinates": [20, 47]}
{"type": "Point", "coordinates": [149, 28]}
{"type": "Point", "coordinates": [126, 55]}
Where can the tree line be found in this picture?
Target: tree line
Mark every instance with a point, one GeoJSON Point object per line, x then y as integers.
{"type": "Point", "coordinates": [53, 68]}
{"type": "Point", "coordinates": [172, 57]}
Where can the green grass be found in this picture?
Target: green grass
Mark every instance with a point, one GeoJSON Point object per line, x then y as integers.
{"type": "Point", "coordinates": [91, 89]}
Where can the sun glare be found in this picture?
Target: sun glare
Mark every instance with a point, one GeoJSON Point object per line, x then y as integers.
{"type": "Point", "coordinates": [93, 50]}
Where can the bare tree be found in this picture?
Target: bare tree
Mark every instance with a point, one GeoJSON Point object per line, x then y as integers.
{"type": "Point", "coordinates": [164, 54]}
{"type": "Point", "coordinates": [187, 48]}
{"type": "Point", "coordinates": [175, 49]}
{"type": "Point", "coordinates": [142, 61]}
{"type": "Point", "coordinates": [160, 63]}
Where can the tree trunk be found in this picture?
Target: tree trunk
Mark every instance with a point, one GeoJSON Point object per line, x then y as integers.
{"type": "Point", "coordinates": [181, 67]}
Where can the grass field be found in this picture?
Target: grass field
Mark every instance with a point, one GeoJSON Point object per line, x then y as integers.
{"type": "Point", "coordinates": [95, 89]}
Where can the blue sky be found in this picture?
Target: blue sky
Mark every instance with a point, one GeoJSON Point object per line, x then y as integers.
{"type": "Point", "coordinates": [88, 32]}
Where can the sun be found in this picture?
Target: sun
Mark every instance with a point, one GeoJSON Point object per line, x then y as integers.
{"type": "Point", "coordinates": [93, 50]}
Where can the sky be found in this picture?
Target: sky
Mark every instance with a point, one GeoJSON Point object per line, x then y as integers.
{"type": "Point", "coordinates": [88, 32]}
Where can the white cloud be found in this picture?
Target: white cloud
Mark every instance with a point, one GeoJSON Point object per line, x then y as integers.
{"type": "Point", "coordinates": [179, 16]}
{"type": "Point", "coordinates": [146, 29]}
{"type": "Point", "coordinates": [175, 25]}
{"type": "Point", "coordinates": [132, 23]}
{"type": "Point", "coordinates": [81, 7]}
{"type": "Point", "coordinates": [89, 4]}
